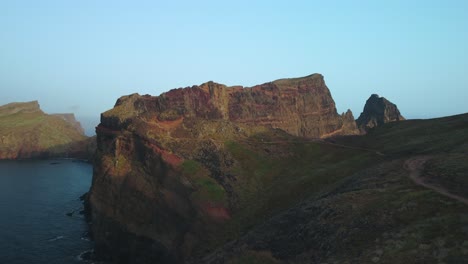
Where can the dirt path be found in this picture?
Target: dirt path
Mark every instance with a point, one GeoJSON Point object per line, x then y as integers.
{"type": "Point", "coordinates": [415, 167]}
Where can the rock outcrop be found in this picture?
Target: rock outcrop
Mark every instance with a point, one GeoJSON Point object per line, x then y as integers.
{"type": "Point", "coordinates": [300, 106]}
{"type": "Point", "coordinates": [167, 178]}
{"type": "Point", "coordinates": [27, 132]}
{"type": "Point", "coordinates": [216, 174]}
{"type": "Point", "coordinates": [377, 111]}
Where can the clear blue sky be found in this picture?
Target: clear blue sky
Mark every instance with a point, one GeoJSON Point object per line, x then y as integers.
{"type": "Point", "coordinates": [81, 55]}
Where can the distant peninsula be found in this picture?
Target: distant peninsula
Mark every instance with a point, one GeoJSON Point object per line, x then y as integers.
{"type": "Point", "coordinates": [27, 132]}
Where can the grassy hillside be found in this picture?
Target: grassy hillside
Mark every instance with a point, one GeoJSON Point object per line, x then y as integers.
{"type": "Point", "coordinates": [395, 195]}
{"type": "Point", "coordinates": [32, 133]}
{"type": "Point", "coordinates": [230, 193]}
{"type": "Point", "coordinates": [415, 137]}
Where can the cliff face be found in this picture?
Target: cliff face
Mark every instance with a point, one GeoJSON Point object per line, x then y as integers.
{"type": "Point", "coordinates": [211, 174]}
{"type": "Point", "coordinates": [377, 111]}
{"type": "Point", "coordinates": [27, 132]}
{"type": "Point", "coordinates": [169, 168]}
{"type": "Point", "coordinates": [167, 199]}
{"type": "Point", "coordinates": [301, 107]}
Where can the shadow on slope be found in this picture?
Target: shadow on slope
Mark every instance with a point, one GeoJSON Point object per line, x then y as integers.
{"type": "Point", "coordinates": [376, 214]}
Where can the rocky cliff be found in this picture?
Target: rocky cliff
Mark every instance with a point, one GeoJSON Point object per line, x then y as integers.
{"type": "Point", "coordinates": [171, 171]}
{"type": "Point", "coordinates": [377, 111]}
{"type": "Point", "coordinates": [216, 174]}
{"type": "Point", "coordinates": [27, 132]}
{"type": "Point", "coordinates": [300, 106]}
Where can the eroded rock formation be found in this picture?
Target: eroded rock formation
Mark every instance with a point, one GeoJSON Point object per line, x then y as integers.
{"type": "Point", "coordinates": [300, 106]}
{"type": "Point", "coordinates": [166, 180]}
{"type": "Point", "coordinates": [377, 111]}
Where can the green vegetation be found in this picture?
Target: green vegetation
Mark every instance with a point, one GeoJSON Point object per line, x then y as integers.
{"type": "Point", "coordinates": [275, 172]}
{"type": "Point", "coordinates": [384, 216]}
{"type": "Point", "coordinates": [21, 120]}
{"type": "Point", "coordinates": [411, 137]}
{"type": "Point", "coordinates": [124, 110]}
{"type": "Point", "coordinates": [190, 167]}
{"type": "Point", "coordinates": [209, 190]}
{"type": "Point", "coordinates": [269, 183]}
{"type": "Point", "coordinates": [340, 200]}
{"type": "Point", "coordinates": [34, 133]}
{"type": "Point", "coordinates": [121, 163]}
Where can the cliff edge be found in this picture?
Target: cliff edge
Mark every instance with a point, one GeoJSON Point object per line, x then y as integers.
{"type": "Point", "coordinates": [216, 174]}
{"type": "Point", "coordinates": [170, 172]}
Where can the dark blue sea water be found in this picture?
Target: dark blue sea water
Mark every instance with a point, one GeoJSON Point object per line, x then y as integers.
{"type": "Point", "coordinates": [35, 197]}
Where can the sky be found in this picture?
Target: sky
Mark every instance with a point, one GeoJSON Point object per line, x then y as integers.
{"type": "Point", "coordinates": [81, 55]}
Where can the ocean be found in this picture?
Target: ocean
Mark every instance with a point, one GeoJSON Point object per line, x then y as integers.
{"type": "Point", "coordinates": [40, 220]}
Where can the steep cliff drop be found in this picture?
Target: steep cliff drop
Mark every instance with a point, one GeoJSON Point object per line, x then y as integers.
{"type": "Point", "coordinates": [169, 171]}
{"type": "Point", "coordinates": [377, 111]}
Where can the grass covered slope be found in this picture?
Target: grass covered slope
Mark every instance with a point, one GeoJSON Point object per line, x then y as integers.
{"type": "Point", "coordinates": [415, 137]}
{"type": "Point", "coordinates": [405, 206]}
{"type": "Point", "coordinates": [182, 186]}
{"type": "Point", "coordinates": [27, 132]}
{"type": "Point", "coordinates": [206, 182]}
{"type": "Point", "coordinates": [272, 173]}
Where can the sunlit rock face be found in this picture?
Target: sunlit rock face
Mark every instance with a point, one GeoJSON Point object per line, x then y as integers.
{"type": "Point", "coordinates": [164, 182]}
{"type": "Point", "coordinates": [300, 106]}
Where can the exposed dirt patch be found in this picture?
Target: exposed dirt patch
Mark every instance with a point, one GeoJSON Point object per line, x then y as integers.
{"type": "Point", "coordinates": [216, 212]}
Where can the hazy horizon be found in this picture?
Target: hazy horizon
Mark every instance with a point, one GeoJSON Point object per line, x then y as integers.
{"type": "Point", "coordinates": [81, 56]}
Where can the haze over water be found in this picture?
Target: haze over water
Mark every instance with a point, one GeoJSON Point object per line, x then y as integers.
{"type": "Point", "coordinates": [35, 197]}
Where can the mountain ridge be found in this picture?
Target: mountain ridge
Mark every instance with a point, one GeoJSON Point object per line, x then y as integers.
{"type": "Point", "coordinates": [208, 174]}
{"type": "Point", "coordinates": [189, 144]}
{"type": "Point", "coordinates": [300, 106]}
{"type": "Point", "coordinates": [27, 132]}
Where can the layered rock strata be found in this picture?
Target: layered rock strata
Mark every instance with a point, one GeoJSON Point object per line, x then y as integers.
{"type": "Point", "coordinates": [164, 181]}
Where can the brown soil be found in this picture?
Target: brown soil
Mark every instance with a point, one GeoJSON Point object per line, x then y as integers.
{"type": "Point", "coordinates": [216, 212]}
